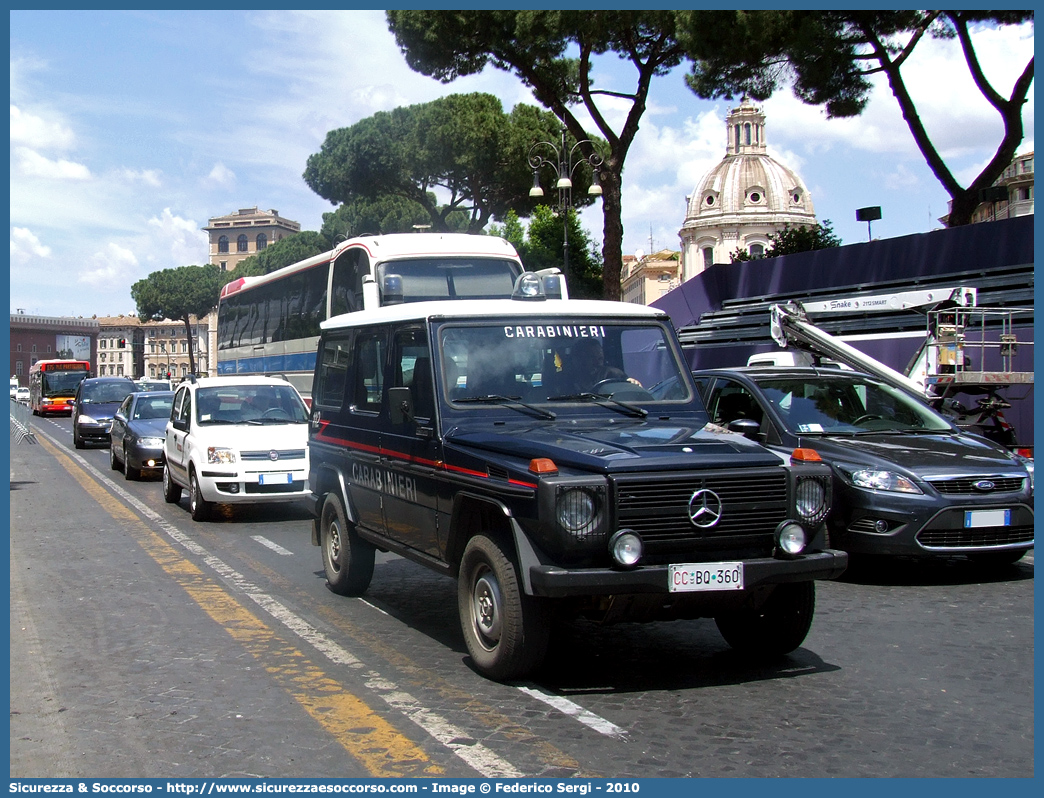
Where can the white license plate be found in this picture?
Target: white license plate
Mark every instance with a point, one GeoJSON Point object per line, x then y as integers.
{"type": "Point", "coordinates": [690, 577]}
{"type": "Point", "coordinates": [274, 479]}
{"type": "Point", "coordinates": [977, 518]}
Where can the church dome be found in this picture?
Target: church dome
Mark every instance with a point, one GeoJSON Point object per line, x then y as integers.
{"type": "Point", "coordinates": [743, 199]}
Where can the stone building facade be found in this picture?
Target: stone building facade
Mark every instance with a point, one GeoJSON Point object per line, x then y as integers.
{"type": "Point", "coordinates": [244, 233]}
{"type": "Point", "coordinates": [649, 277]}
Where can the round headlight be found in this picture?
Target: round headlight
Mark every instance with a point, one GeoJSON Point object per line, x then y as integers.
{"type": "Point", "coordinates": [626, 548]}
{"type": "Point", "coordinates": [811, 501]}
{"type": "Point", "coordinates": [790, 538]}
{"type": "Point", "coordinates": [576, 510]}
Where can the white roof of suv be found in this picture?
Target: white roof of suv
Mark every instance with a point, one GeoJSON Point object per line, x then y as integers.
{"type": "Point", "coordinates": [497, 308]}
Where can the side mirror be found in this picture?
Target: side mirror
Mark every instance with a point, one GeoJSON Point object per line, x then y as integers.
{"type": "Point", "coordinates": [179, 424]}
{"type": "Point", "coordinates": [747, 427]}
{"type": "Point", "coordinates": [400, 405]}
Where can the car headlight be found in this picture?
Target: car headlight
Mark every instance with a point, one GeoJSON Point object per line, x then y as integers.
{"type": "Point", "coordinates": [874, 479]}
{"type": "Point", "coordinates": [577, 511]}
{"type": "Point", "coordinates": [625, 547]}
{"type": "Point", "coordinates": [82, 419]}
{"type": "Point", "coordinates": [810, 500]}
{"type": "Point", "coordinates": [218, 454]}
{"type": "Point", "coordinates": [150, 443]}
{"type": "Point", "coordinates": [1027, 463]}
{"type": "Point", "coordinates": [790, 539]}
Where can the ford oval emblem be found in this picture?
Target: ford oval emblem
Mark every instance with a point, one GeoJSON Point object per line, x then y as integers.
{"type": "Point", "coordinates": [985, 485]}
{"type": "Point", "coordinates": [273, 455]}
{"type": "Point", "coordinates": [705, 509]}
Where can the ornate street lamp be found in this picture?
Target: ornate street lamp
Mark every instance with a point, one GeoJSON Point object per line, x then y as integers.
{"type": "Point", "coordinates": [565, 162]}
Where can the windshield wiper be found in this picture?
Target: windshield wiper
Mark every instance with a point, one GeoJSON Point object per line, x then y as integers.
{"type": "Point", "coordinates": [601, 400]}
{"type": "Point", "coordinates": [507, 401]}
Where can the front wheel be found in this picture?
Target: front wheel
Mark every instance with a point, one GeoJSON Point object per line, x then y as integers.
{"type": "Point", "coordinates": [77, 440]}
{"type": "Point", "coordinates": [114, 461]}
{"type": "Point", "coordinates": [199, 508]}
{"type": "Point", "coordinates": [347, 558]}
{"type": "Point", "coordinates": [777, 627]}
{"type": "Point", "coordinates": [129, 471]}
{"type": "Point", "coordinates": [171, 490]}
{"type": "Point", "coordinates": [505, 630]}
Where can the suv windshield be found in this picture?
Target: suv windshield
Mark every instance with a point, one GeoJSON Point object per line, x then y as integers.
{"type": "Point", "coordinates": [848, 405]}
{"type": "Point", "coordinates": [557, 361]}
{"type": "Point", "coordinates": [250, 404]}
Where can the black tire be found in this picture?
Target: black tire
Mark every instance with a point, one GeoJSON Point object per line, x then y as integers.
{"type": "Point", "coordinates": [997, 559]}
{"type": "Point", "coordinates": [77, 440]}
{"type": "Point", "coordinates": [778, 627]}
{"type": "Point", "coordinates": [114, 461]}
{"type": "Point", "coordinates": [347, 558]}
{"type": "Point", "coordinates": [171, 490]}
{"type": "Point", "coordinates": [199, 508]}
{"type": "Point", "coordinates": [505, 630]}
{"type": "Point", "coordinates": [129, 472]}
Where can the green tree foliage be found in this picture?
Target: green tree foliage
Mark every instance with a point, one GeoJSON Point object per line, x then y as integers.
{"type": "Point", "coordinates": [552, 52]}
{"type": "Point", "coordinates": [379, 216]}
{"type": "Point", "coordinates": [283, 252]}
{"type": "Point", "coordinates": [463, 148]}
{"type": "Point", "coordinates": [541, 247]}
{"type": "Point", "coordinates": [179, 294]}
{"type": "Point", "coordinates": [800, 238]}
{"type": "Point", "coordinates": [827, 58]}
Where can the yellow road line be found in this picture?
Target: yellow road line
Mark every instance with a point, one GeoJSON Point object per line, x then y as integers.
{"type": "Point", "coordinates": [383, 750]}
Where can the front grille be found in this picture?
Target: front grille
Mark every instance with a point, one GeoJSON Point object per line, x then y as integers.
{"type": "Point", "coordinates": [284, 454]}
{"type": "Point", "coordinates": [753, 503]}
{"type": "Point", "coordinates": [293, 487]}
{"type": "Point", "coordinates": [965, 486]}
{"type": "Point", "coordinates": [977, 536]}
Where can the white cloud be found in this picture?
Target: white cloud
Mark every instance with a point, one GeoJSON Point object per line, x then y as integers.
{"type": "Point", "coordinates": [28, 128]}
{"type": "Point", "coordinates": [25, 245]}
{"type": "Point", "coordinates": [150, 177]}
{"type": "Point", "coordinates": [113, 266]}
{"type": "Point", "coordinates": [32, 164]}
{"type": "Point", "coordinates": [176, 242]}
{"type": "Point", "coordinates": [221, 175]}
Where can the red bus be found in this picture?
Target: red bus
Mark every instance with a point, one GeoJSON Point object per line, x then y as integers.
{"type": "Point", "coordinates": [53, 383]}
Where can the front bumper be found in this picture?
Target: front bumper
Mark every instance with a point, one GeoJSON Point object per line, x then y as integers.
{"type": "Point", "coordinates": [95, 432]}
{"type": "Point", "coordinates": [554, 582]}
{"type": "Point", "coordinates": [232, 486]}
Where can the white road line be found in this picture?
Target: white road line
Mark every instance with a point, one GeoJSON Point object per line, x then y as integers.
{"type": "Point", "coordinates": [567, 707]}
{"type": "Point", "coordinates": [474, 754]}
{"type": "Point", "coordinates": [272, 545]}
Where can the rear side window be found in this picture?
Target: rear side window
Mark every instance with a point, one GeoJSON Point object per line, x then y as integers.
{"type": "Point", "coordinates": [368, 378]}
{"type": "Point", "coordinates": [331, 374]}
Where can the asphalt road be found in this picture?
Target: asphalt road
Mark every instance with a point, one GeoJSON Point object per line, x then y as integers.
{"type": "Point", "coordinates": [146, 645]}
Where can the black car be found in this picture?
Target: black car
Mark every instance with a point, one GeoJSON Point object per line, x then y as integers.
{"type": "Point", "coordinates": [511, 444]}
{"type": "Point", "coordinates": [94, 405]}
{"type": "Point", "coordinates": [138, 430]}
{"type": "Point", "coordinates": [907, 481]}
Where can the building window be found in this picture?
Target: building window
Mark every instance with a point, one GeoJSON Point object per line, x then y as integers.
{"type": "Point", "coordinates": [101, 343]}
{"type": "Point", "coordinates": [18, 347]}
{"type": "Point", "coordinates": [708, 257]}
{"type": "Point", "coordinates": [223, 244]}
{"type": "Point", "coordinates": [710, 200]}
{"type": "Point", "coordinates": [152, 372]}
{"type": "Point", "coordinates": [756, 250]}
{"type": "Point", "coordinates": [755, 196]}
{"type": "Point", "coordinates": [262, 241]}
{"type": "Point", "coordinates": [48, 349]}
{"type": "Point", "coordinates": [34, 347]}
{"type": "Point", "coordinates": [241, 244]}
{"type": "Point", "coordinates": [224, 265]}
{"type": "Point", "coordinates": [18, 368]}
{"type": "Point", "coordinates": [746, 133]}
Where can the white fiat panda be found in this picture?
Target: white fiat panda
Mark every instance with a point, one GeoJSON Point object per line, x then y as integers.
{"type": "Point", "coordinates": [236, 440]}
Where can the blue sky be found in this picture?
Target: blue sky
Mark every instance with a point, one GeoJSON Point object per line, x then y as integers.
{"type": "Point", "coordinates": [129, 129]}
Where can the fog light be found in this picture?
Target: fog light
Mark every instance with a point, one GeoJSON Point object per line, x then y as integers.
{"type": "Point", "coordinates": [626, 548]}
{"type": "Point", "coordinates": [790, 538]}
{"type": "Point", "coordinates": [880, 525]}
